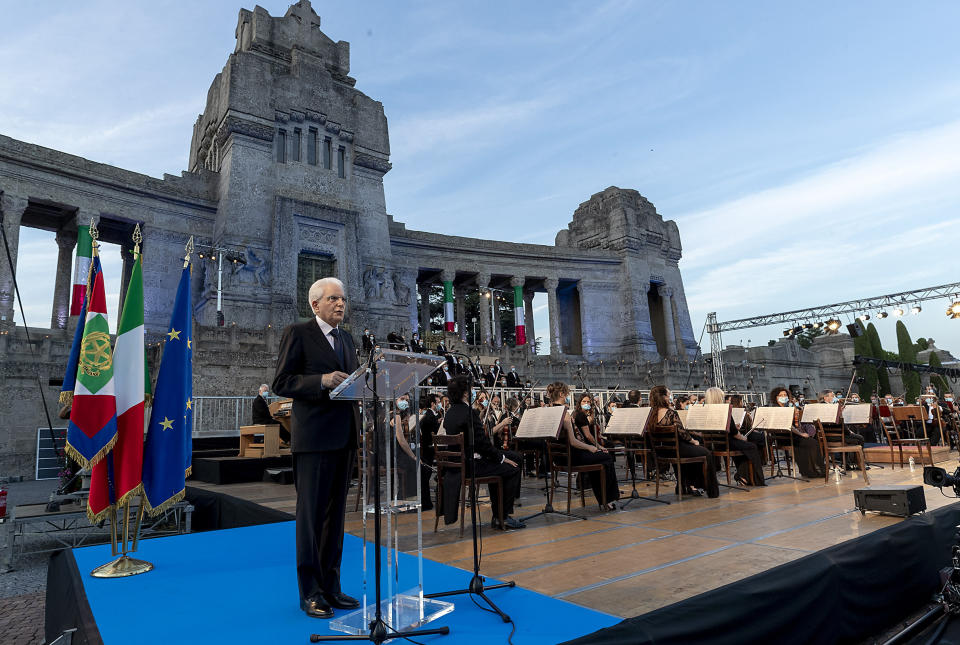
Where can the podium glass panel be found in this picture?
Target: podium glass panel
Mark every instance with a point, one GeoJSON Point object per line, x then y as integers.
{"type": "Point", "coordinates": [393, 430]}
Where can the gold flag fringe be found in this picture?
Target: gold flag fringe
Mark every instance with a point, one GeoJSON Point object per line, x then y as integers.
{"type": "Point", "coordinates": [66, 397]}
{"type": "Point", "coordinates": [124, 499]}
{"type": "Point", "coordinates": [83, 461]}
{"type": "Point", "coordinates": [157, 510]}
{"type": "Point", "coordinates": [148, 400]}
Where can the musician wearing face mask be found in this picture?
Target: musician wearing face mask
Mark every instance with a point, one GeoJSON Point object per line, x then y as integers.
{"type": "Point", "coordinates": [689, 443]}
{"type": "Point", "coordinates": [808, 458]}
{"type": "Point", "coordinates": [513, 379]}
{"type": "Point", "coordinates": [404, 432]}
{"type": "Point", "coordinates": [850, 437]}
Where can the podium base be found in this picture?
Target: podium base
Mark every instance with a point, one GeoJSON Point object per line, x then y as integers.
{"type": "Point", "coordinates": [401, 612]}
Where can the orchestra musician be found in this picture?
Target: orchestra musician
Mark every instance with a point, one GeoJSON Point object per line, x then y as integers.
{"type": "Point", "coordinates": [689, 444]}
{"type": "Point", "coordinates": [585, 451]}
{"type": "Point", "coordinates": [403, 430]}
{"type": "Point", "coordinates": [808, 458]}
{"type": "Point", "coordinates": [738, 441]}
{"type": "Point", "coordinates": [849, 436]}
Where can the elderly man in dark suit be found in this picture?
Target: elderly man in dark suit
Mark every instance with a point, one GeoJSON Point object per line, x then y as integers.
{"type": "Point", "coordinates": [315, 357]}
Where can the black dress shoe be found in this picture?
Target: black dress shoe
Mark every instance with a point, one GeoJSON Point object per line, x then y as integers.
{"type": "Point", "coordinates": [341, 600]}
{"type": "Point", "coordinates": [316, 607]}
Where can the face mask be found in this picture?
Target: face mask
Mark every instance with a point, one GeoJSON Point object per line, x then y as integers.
{"type": "Point", "coordinates": [783, 400]}
{"type": "Point", "coordinates": [485, 403]}
{"type": "Point", "coordinates": [948, 398]}
{"type": "Point", "coordinates": [402, 404]}
{"type": "Point", "coordinates": [889, 401]}
{"type": "Point", "coordinates": [568, 400]}
{"type": "Point", "coordinates": [585, 406]}
{"type": "Point", "coordinates": [513, 369]}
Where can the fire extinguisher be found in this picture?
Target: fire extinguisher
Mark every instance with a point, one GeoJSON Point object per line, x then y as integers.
{"type": "Point", "coordinates": [3, 503]}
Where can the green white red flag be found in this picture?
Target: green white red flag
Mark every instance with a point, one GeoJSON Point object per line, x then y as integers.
{"type": "Point", "coordinates": [81, 270]}
{"type": "Point", "coordinates": [520, 325]}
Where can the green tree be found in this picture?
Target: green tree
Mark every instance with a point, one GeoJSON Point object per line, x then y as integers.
{"type": "Point", "coordinates": [908, 354]}
{"type": "Point", "coordinates": [868, 373]}
{"type": "Point", "coordinates": [805, 338]}
{"type": "Point", "coordinates": [922, 344]}
{"type": "Point", "coordinates": [937, 380]}
{"type": "Point", "coordinates": [876, 351]}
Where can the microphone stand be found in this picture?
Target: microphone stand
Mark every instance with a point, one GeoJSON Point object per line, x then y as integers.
{"type": "Point", "coordinates": [379, 630]}
{"type": "Point", "coordinates": [477, 586]}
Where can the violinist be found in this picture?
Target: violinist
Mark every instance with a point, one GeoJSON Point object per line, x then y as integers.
{"type": "Point", "coordinates": [808, 458]}
{"type": "Point", "coordinates": [663, 414]}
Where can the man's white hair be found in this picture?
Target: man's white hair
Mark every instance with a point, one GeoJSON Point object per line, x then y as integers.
{"type": "Point", "coordinates": [263, 385]}
{"type": "Point", "coordinates": [317, 288]}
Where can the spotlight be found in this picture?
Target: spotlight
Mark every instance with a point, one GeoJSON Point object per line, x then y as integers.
{"type": "Point", "coordinates": [817, 325]}
{"type": "Point", "coordinates": [796, 330]}
{"type": "Point", "coordinates": [954, 310]}
{"type": "Point", "coordinates": [882, 315]}
{"type": "Point", "coordinates": [201, 255]}
{"type": "Point", "coordinates": [833, 326]}
{"type": "Point", "coordinates": [808, 325]}
{"type": "Point", "coordinates": [787, 333]}
{"type": "Point", "coordinates": [864, 316]}
{"type": "Point", "coordinates": [898, 312]}
{"type": "Point", "coordinates": [915, 309]}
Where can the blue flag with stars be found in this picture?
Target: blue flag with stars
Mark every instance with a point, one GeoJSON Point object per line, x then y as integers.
{"type": "Point", "coordinates": [167, 453]}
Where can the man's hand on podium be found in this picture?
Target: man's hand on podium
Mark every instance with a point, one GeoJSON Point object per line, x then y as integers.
{"type": "Point", "coordinates": [333, 379]}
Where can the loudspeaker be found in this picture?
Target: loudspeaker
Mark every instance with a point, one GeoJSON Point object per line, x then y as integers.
{"type": "Point", "coordinates": [892, 500]}
{"type": "Point", "coordinates": [855, 330]}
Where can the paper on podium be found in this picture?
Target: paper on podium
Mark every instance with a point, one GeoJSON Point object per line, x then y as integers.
{"type": "Point", "coordinates": [856, 414]}
{"type": "Point", "coordinates": [737, 414]}
{"type": "Point", "coordinates": [397, 373]}
{"type": "Point", "coordinates": [628, 421]}
{"type": "Point", "coordinates": [773, 418]}
{"type": "Point", "coordinates": [541, 423]}
{"type": "Point", "coordinates": [713, 416]}
{"type": "Point", "coordinates": [825, 412]}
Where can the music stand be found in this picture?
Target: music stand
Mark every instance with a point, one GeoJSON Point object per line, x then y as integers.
{"type": "Point", "coordinates": [629, 424]}
{"type": "Point", "coordinates": [826, 414]}
{"type": "Point", "coordinates": [394, 373]}
{"type": "Point", "coordinates": [544, 424]}
{"type": "Point", "coordinates": [713, 419]}
{"type": "Point", "coordinates": [859, 414]}
{"type": "Point", "coordinates": [910, 414]}
{"type": "Point", "coordinates": [778, 421]}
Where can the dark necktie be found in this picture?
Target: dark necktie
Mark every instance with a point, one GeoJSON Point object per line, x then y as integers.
{"type": "Point", "coordinates": [338, 345]}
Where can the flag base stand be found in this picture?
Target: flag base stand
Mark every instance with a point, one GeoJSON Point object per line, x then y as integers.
{"type": "Point", "coordinates": [122, 567]}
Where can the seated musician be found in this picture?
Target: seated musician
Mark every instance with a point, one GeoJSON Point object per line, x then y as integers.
{"type": "Point", "coordinates": [488, 460]}
{"type": "Point", "coordinates": [849, 436]}
{"type": "Point", "coordinates": [932, 415]}
{"type": "Point", "coordinates": [808, 458]}
{"type": "Point", "coordinates": [663, 414]}
{"type": "Point", "coordinates": [511, 414]}
{"type": "Point", "coordinates": [262, 416]}
{"type": "Point", "coordinates": [738, 441]}
{"type": "Point", "coordinates": [403, 431]}
{"type": "Point", "coordinates": [583, 448]}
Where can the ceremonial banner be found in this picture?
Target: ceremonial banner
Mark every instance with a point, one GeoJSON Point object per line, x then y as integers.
{"type": "Point", "coordinates": [81, 270]}
{"type": "Point", "coordinates": [521, 326]}
{"type": "Point", "coordinates": [118, 478]}
{"type": "Point", "coordinates": [70, 376]}
{"type": "Point", "coordinates": [93, 418]}
{"type": "Point", "coordinates": [448, 305]}
{"type": "Point", "coordinates": [167, 452]}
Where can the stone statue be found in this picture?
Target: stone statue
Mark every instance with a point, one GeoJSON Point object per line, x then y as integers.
{"type": "Point", "coordinates": [255, 271]}
{"type": "Point", "coordinates": [401, 289]}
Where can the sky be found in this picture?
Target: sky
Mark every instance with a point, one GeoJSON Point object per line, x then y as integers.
{"type": "Point", "coordinates": [809, 152]}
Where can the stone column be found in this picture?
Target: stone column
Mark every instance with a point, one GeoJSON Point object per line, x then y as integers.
{"type": "Point", "coordinates": [63, 287]}
{"type": "Point", "coordinates": [13, 208]}
{"type": "Point", "coordinates": [497, 326]}
{"type": "Point", "coordinates": [126, 254]}
{"type": "Point", "coordinates": [483, 281]}
{"type": "Point", "coordinates": [461, 312]}
{"type": "Point", "coordinates": [528, 320]}
{"type": "Point", "coordinates": [669, 332]}
{"type": "Point", "coordinates": [582, 311]}
{"type": "Point", "coordinates": [554, 309]}
{"type": "Point", "coordinates": [424, 290]}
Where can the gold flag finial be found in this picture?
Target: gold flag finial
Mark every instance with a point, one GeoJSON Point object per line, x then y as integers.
{"type": "Point", "coordinates": [94, 235]}
{"type": "Point", "coordinates": [137, 238]}
{"type": "Point", "coordinates": [189, 249]}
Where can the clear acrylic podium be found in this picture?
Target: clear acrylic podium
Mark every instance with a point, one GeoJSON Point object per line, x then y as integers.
{"type": "Point", "coordinates": [400, 588]}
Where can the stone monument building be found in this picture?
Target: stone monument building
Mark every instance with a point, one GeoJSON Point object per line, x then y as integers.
{"type": "Point", "coordinates": [284, 186]}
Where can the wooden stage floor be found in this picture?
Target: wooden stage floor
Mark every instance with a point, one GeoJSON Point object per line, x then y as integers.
{"type": "Point", "coordinates": [648, 555]}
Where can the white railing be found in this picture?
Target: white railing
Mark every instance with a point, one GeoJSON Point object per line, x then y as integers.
{"type": "Point", "coordinates": [222, 416]}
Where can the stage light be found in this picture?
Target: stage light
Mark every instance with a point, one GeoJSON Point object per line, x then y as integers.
{"type": "Point", "coordinates": [808, 325]}
{"type": "Point", "coordinates": [796, 330]}
{"type": "Point", "coordinates": [882, 314]}
{"type": "Point", "coordinates": [954, 310]}
{"type": "Point", "coordinates": [201, 255]}
{"type": "Point", "coordinates": [817, 325]}
{"type": "Point", "coordinates": [787, 333]}
{"type": "Point", "coordinates": [898, 312]}
{"type": "Point", "coordinates": [833, 326]}
{"type": "Point", "coordinates": [915, 309]}
{"type": "Point", "coordinates": [864, 316]}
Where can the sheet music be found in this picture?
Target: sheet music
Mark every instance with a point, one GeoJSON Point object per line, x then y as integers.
{"type": "Point", "coordinates": [773, 418]}
{"type": "Point", "coordinates": [856, 414]}
{"type": "Point", "coordinates": [825, 412]}
{"type": "Point", "coordinates": [738, 414]}
{"type": "Point", "coordinates": [683, 417]}
{"type": "Point", "coordinates": [713, 416]}
{"type": "Point", "coordinates": [628, 421]}
{"type": "Point", "coordinates": [541, 423]}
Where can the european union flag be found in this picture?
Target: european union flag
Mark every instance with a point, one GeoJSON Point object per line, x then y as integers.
{"type": "Point", "coordinates": [168, 450]}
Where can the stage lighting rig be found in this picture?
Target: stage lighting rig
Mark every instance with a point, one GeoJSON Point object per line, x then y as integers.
{"type": "Point", "coordinates": [864, 316]}
{"type": "Point", "coordinates": [915, 309]}
{"type": "Point", "coordinates": [881, 315]}
{"type": "Point", "coordinates": [898, 312]}
{"type": "Point", "coordinates": [954, 310]}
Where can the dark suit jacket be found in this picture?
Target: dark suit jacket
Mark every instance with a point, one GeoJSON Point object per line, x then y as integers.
{"type": "Point", "coordinates": [316, 423]}
{"type": "Point", "coordinates": [457, 421]}
{"type": "Point", "coordinates": [513, 379]}
{"type": "Point", "coordinates": [261, 412]}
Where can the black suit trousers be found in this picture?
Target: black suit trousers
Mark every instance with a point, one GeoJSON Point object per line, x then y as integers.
{"type": "Point", "coordinates": [322, 480]}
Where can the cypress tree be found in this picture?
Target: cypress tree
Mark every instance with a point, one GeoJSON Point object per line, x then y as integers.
{"type": "Point", "coordinates": [908, 354]}
{"type": "Point", "coordinates": [868, 373]}
{"type": "Point", "coordinates": [937, 380]}
{"type": "Point", "coordinates": [876, 351]}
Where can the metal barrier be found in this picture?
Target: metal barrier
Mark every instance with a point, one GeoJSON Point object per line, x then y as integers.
{"type": "Point", "coordinates": [222, 416]}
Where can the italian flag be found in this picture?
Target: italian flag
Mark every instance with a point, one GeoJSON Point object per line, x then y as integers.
{"type": "Point", "coordinates": [520, 325]}
{"type": "Point", "coordinates": [124, 466]}
{"type": "Point", "coordinates": [448, 304]}
{"type": "Point", "coordinates": [81, 271]}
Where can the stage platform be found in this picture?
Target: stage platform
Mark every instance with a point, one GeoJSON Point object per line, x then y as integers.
{"type": "Point", "coordinates": [881, 455]}
{"type": "Point", "coordinates": [650, 555]}
{"type": "Point", "coordinates": [239, 586]}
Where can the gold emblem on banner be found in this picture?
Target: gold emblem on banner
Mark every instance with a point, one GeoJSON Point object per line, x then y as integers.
{"type": "Point", "coordinates": [95, 354]}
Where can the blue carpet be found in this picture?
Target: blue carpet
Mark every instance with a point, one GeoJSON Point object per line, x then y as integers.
{"type": "Point", "coordinates": [239, 586]}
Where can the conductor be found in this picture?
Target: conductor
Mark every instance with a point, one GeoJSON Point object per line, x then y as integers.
{"type": "Point", "coordinates": [315, 356]}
